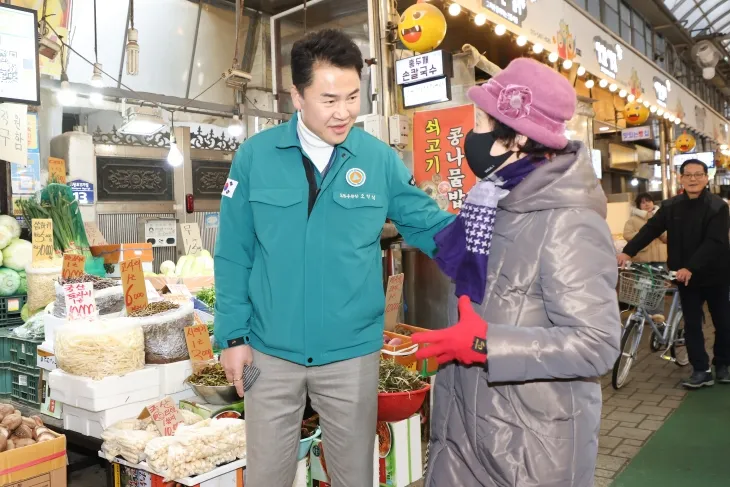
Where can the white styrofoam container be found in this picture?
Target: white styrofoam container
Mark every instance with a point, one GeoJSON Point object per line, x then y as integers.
{"type": "Point", "coordinates": [172, 376]}
{"type": "Point", "coordinates": [92, 423]}
{"type": "Point", "coordinates": [107, 393]}
{"type": "Point", "coordinates": [50, 325]}
{"type": "Point", "coordinates": [45, 359]}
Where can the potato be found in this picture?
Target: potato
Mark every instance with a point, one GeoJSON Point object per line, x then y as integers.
{"type": "Point", "coordinates": [6, 409]}
{"type": "Point", "coordinates": [24, 442]}
{"type": "Point", "coordinates": [4, 432]}
{"type": "Point", "coordinates": [39, 431]}
{"type": "Point", "coordinates": [38, 420]}
{"type": "Point", "coordinates": [18, 413]}
{"type": "Point", "coordinates": [22, 431]}
{"type": "Point", "coordinates": [29, 422]}
{"type": "Point", "coordinates": [12, 421]}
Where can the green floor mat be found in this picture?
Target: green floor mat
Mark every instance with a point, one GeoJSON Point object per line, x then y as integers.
{"type": "Point", "coordinates": [691, 449]}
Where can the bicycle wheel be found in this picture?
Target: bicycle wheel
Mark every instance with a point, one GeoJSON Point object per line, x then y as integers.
{"type": "Point", "coordinates": [678, 350]}
{"type": "Point", "coordinates": [630, 341]}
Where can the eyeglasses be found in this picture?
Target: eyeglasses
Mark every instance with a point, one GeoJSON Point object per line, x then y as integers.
{"type": "Point", "coordinates": [698, 175]}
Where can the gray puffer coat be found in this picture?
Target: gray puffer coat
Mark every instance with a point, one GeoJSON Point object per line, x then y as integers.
{"type": "Point", "coordinates": [533, 418]}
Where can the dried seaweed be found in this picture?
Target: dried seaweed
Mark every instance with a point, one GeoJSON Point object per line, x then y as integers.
{"type": "Point", "coordinates": [396, 378]}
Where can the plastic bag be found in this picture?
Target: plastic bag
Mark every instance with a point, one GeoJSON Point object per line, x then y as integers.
{"type": "Point", "coordinates": [108, 301]}
{"type": "Point", "coordinates": [100, 348]}
{"type": "Point", "coordinates": [33, 329]}
{"type": "Point", "coordinates": [164, 334]}
{"type": "Point", "coordinates": [41, 286]}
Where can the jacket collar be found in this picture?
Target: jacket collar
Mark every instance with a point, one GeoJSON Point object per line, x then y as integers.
{"type": "Point", "coordinates": [701, 197]}
{"type": "Point", "coordinates": [290, 138]}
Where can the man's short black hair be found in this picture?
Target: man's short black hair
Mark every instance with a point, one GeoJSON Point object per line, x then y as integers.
{"type": "Point", "coordinates": [643, 197]}
{"type": "Point", "coordinates": [330, 46]}
{"type": "Point", "coordinates": [692, 161]}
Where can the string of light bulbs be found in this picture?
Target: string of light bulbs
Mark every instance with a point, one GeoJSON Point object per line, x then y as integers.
{"type": "Point", "coordinates": [539, 52]}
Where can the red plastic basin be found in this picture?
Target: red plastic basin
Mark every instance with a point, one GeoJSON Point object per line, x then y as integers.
{"type": "Point", "coordinates": [397, 406]}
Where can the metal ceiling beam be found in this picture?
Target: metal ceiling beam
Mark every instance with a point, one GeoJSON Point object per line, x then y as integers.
{"type": "Point", "coordinates": [706, 16]}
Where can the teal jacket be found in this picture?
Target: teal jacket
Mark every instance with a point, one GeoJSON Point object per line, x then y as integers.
{"type": "Point", "coordinates": [308, 287]}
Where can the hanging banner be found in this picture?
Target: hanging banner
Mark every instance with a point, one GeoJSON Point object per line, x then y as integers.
{"type": "Point", "coordinates": [14, 133]}
{"type": "Point", "coordinates": [439, 165]}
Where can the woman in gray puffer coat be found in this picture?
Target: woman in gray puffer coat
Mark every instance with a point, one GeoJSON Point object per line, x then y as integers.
{"type": "Point", "coordinates": [518, 401]}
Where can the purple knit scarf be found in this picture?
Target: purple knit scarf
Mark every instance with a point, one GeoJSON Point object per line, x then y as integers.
{"type": "Point", "coordinates": [463, 246]}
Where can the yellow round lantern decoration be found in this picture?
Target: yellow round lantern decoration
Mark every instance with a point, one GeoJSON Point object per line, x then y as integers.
{"type": "Point", "coordinates": [635, 113]}
{"type": "Point", "coordinates": [685, 142]}
{"type": "Point", "coordinates": [422, 27]}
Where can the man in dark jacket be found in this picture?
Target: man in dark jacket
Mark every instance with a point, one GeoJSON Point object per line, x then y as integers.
{"type": "Point", "coordinates": [697, 225]}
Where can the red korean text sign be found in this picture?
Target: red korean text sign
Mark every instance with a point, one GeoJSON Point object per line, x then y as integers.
{"type": "Point", "coordinates": [80, 303]}
{"type": "Point", "coordinates": [135, 291]}
{"type": "Point", "coordinates": [198, 342]}
{"type": "Point", "coordinates": [165, 416]}
{"type": "Point", "coordinates": [439, 163]}
{"type": "Point", "coordinates": [73, 266]}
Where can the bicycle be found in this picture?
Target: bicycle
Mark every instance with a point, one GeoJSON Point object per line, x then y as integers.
{"type": "Point", "coordinates": [645, 287]}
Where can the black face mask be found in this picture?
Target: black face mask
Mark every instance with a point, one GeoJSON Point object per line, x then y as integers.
{"type": "Point", "coordinates": [477, 148]}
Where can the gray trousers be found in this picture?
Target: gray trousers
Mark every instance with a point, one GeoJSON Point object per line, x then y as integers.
{"type": "Point", "coordinates": [345, 396]}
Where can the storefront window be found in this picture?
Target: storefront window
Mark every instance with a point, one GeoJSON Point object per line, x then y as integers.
{"type": "Point", "coordinates": [594, 8]}
{"type": "Point", "coordinates": [610, 17]}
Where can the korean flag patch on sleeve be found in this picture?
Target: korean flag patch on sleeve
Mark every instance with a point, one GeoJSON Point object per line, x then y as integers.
{"type": "Point", "coordinates": [230, 187]}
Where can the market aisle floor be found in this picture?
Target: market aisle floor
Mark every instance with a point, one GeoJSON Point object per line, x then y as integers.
{"type": "Point", "coordinates": [630, 415]}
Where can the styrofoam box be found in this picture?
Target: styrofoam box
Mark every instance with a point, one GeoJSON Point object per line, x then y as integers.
{"type": "Point", "coordinates": [92, 423]}
{"type": "Point", "coordinates": [107, 393]}
{"type": "Point", "coordinates": [45, 359]}
{"type": "Point", "coordinates": [172, 376]}
{"type": "Point", "coordinates": [50, 325]}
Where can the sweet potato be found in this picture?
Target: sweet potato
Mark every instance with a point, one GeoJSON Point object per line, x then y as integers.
{"type": "Point", "coordinates": [29, 422]}
{"type": "Point", "coordinates": [6, 409]}
{"type": "Point", "coordinates": [4, 432]}
{"type": "Point", "coordinates": [46, 437]}
{"type": "Point", "coordinates": [18, 413]}
{"type": "Point", "coordinates": [12, 421]}
{"type": "Point", "coordinates": [39, 431]}
{"type": "Point", "coordinates": [23, 431]}
{"type": "Point", "coordinates": [24, 442]}
{"type": "Point", "coordinates": [38, 420]}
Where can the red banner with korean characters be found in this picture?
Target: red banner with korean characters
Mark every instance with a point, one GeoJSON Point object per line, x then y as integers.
{"type": "Point", "coordinates": [439, 165]}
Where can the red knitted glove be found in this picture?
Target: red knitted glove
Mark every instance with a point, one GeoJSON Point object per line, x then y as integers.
{"type": "Point", "coordinates": [465, 341]}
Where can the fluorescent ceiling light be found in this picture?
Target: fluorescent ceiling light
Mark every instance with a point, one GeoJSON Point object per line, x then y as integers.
{"type": "Point", "coordinates": [140, 123]}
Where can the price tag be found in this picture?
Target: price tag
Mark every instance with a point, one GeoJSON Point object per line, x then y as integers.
{"type": "Point", "coordinates": [165, 415]}
{"type": "Point", "coordinates": [191, 238]}
{"type": "Point", "coordinates": [179, 290]}
{"type": "Point", "coordinates": [56, 170]}
{"type": "Point", "coordinates": [393, 296]}
{"type": "Point", "coordinates": [93, 234]}
{"type": "Point", "coordinates": [198, 342]}
{"type": "Point", "coordinates": [80, 303]}
{"type": "Point", "coordinates": [13, 305]}
{"type": "Point", "coordinates": [42, 240]}
{"type": "Point", "coordinates": [135, 290]}
{"type": "Point", "coordinates": [73, 266]}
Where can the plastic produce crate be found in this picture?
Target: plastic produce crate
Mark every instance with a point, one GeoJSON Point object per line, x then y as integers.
{"type": "Point", "coordinates": [6, 383]}
{"type": "Point", "coordinates": [10, 308]}
{"type": "Point", "coordinates": [23, 352]}
{"type": "Point", "coordinates": [25, 386]}
{"type": "Point", "coordinates": [4, 347]}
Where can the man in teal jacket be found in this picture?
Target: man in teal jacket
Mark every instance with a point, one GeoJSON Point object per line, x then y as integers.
{"type": "Point", "coordinates": [298, 268]}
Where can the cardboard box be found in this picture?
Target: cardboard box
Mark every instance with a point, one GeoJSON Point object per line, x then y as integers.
{"type": "Point", "coordinates": [34, 461]}
{"type": "Point", "coordinates": [391, 352]}
{"type": "Point", "coordinates": [125, 476]}
{"type": "Point", "coordinates": [205, 410]}
{"type": "Point", "coordinates": [399, 449]}
{"type": "Point", "coordinates": [54, 478]}
{"type": "Point", "coordinates": [303, 477]}
{"type": "Point", "coordinates": [49, 407]}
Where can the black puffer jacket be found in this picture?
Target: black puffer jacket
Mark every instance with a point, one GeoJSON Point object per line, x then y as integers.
{"type": "Point", "coordinates": [697, 237]}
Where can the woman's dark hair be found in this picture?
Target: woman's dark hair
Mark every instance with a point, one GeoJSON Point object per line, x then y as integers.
{"type": "Point", "coordinates": [643, 197]}
{"type": "Point", "coordinates": [508, 136]}
{"type": "Point", "coordinates": [692, 161]}
{"type": "Point", "coordinates": [330, 46]}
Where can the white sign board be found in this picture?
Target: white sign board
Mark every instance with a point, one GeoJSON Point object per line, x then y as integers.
{"type": "Point", "coordinates": [420, 68]}
{"type": "Point", "coordinates": [161, 233]}
{"type": "Point", "coordinates": [706, 157]}
{"type": "Point", "coordinates": [633, 134]}
{"type": "Point", "coordinates": [14, 132]}
{"type": "Point", "coordinates": [19, 71]}
{"type": "Point", "coordinates": [436, 91]}
{"type": "Point", "coordinates": [80, 303]}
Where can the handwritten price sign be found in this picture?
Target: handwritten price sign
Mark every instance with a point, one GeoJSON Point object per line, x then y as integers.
{"type": "Point", "coordinates": [56, 170]}
{"type": "Point", "coordinates": [73, 266]}
{"type": "Point", "coordinates": [393, 296]}
{"type": "Point", "coordinates": [42, 240]}
{"type": "Point", "coordinates": [135, 291]}
{"type": "Point", "coordinates": [165, 415]}
{"type": "Point", "coordinates": [191, 238]}
{"type": "Point", "coordinates": [198, 342]}
{"type": "Point", "coordinates": [80, 303]}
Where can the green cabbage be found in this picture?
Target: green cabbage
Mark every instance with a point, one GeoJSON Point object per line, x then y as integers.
{"type": "Point", "coordinates": [11, 224]}
{"type": "Point", "coordinates": [18, 254]}
{"type": "Point", "coordinates": [9, 282]}
{"type": "Point", "coordinates": [6, 235]}
{"type": "Point", "coordinates": [23, 288]}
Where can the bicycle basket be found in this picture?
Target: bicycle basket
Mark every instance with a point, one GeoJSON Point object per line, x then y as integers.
{"type": "Point", "coordinates": [641, 290]}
